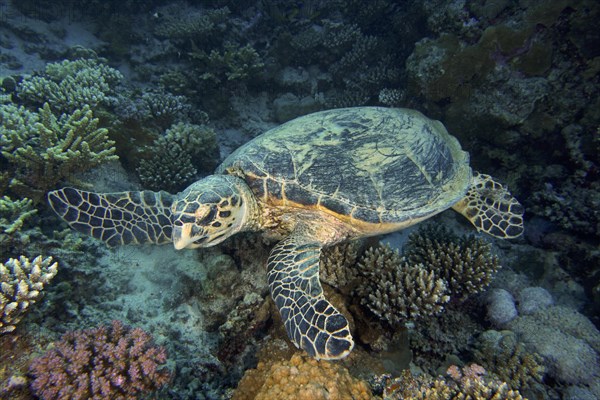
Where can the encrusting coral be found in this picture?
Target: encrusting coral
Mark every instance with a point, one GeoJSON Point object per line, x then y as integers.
{"type": "Point", "coordinates": [301, 378]}
{"type": "Point", "coordinates": [108, 362]}
{"type": "Point", "coordinates": [21, 284]}
{"type": "Point", "coordinates": [44, 148]}
{"type": "Point", "coordinates": [397, 291]}
{"type": "Point", "coordinates": [465, 263]}
{"type": "Point", "coordinates": [501, 353]}
{"type": "Point", "coordinates": [469, 382]}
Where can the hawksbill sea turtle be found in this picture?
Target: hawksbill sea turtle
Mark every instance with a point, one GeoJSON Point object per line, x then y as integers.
{"type": "Point", "coordinates": [312, 182]}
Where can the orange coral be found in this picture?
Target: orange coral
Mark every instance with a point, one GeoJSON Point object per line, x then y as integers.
{"type": "Point", "coordinates": [301, 378]}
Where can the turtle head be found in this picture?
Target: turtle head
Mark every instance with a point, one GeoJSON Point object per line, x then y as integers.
{"type": "Point", "coordinates": [211, 210]}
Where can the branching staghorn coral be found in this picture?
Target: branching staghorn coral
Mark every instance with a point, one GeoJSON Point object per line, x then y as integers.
{"type": "Point", "coordinates": [115, 362]}
{"type": "Point", "coordinates": [13, 214]}
{"type": "Point", "coordinates": [21, 285]}
{"type": "Point", "coordinates": [44, 148]}
{"type": "Point", "coordinates": [176, 158]}
{"type": "Point", "coordinates": [397, 291]}
{"type": "Point", "coordinates": [71, 85]}
{"type": "Point", "coordinates": [465, 263]}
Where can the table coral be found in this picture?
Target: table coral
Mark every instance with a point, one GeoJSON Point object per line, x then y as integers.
{"type": "Point", "coordinates": [115, 362]}
{"type": "Point", "coordinates": [21, 284]}
{"type": "Point", "coordinates": [300, 378]}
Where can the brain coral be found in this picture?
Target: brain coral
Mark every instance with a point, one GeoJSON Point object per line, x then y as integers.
{"type": "Point", "coordinates": [301, 378]}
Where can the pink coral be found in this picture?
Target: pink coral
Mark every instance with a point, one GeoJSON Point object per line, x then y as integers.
{"type": "Point", "coordinates": [115, 362]}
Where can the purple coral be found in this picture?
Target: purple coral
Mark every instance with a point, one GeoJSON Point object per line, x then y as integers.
{"type": "Point", "coordinates": [115, 362]}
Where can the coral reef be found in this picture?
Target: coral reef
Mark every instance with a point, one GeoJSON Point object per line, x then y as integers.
{"type": "Point", "coordinates": [44, 148]}
{"type": "Point", "coordinates": [501, 307]}
{"type": "Point", "coordinates": [21, 285]}
{"type": "Point", "coordinates": [114, 362]}
{"type": "Point", "coordinates": [397, 291]}
{"type": "Point", "coordinates": [180, 22]}
{"type": "Point", "coordinates": [163, 107]}
{"type": "Point", "coordinates": [233, 63]}
{"type": "Point", "coordinates": [301, 377]}
{"type": "Point", "coordinates": [465, 263]}
{"type": "Point", "coordinates": [338, 265]}
{"type": "Point", "coordinates": [434, 341]}
{"type": "Point", "coordinates": [532, 299]}
{"type": "Point", "coordinates": [469, 382]}
{"type": "Point", "coordinates": [501, 353]}
{"type": "Point", "coordinates": [567, 341]}
{"type": "Point", "coordinates": [71, 85]}
{"type": "Point", "coordinates": [13, 214]}
{"type": "Point", "coordinates": [176, 158]}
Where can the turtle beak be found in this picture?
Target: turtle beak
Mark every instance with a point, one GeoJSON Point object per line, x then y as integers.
{"type": "Point", "coordinates": [181, 236]}
{"type": "Point", "coordinates": [178, 241]}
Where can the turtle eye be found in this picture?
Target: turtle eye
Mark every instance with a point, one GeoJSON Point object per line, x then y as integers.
{"type": "Point", "coordinates": [202, 211]}
{"type": "Point", "coordinates": [205, 214]}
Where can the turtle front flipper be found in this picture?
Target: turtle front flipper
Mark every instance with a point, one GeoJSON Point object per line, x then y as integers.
{"type": "Point", "coordinates": [491, 208]}
{"type": "Point", "coordinates": [116, 218]}
{"type": "Point", "coordinates": [312, 322]}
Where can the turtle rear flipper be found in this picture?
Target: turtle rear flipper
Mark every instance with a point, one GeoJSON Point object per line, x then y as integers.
{"type": "Point", "coordinates": [116, 218]}
{"type": "Point", "coordinates": [312, 322]}
{"type": "Point", "coordinates": [491, 208]}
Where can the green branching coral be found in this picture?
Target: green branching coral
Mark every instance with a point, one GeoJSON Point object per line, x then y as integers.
{"type": "Point", "coordinates": [465, 263]}
{"type": "Point", "coordinates": [13, 214]}
{"type": "Point", "coordinates": [71, 85]}
{"type": "Point", "coordinates": [179, 23]}
{"type": "Point", "coordinates": [397, 291]}
{"type": "Point", "coordinates": [44, 148]}
{"type": "Point", "coordinates": [21, 284]}
{"type": "Point", "coordinates": [233, 63]}
{"type": "Point", "coordinates": [175, 159]}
